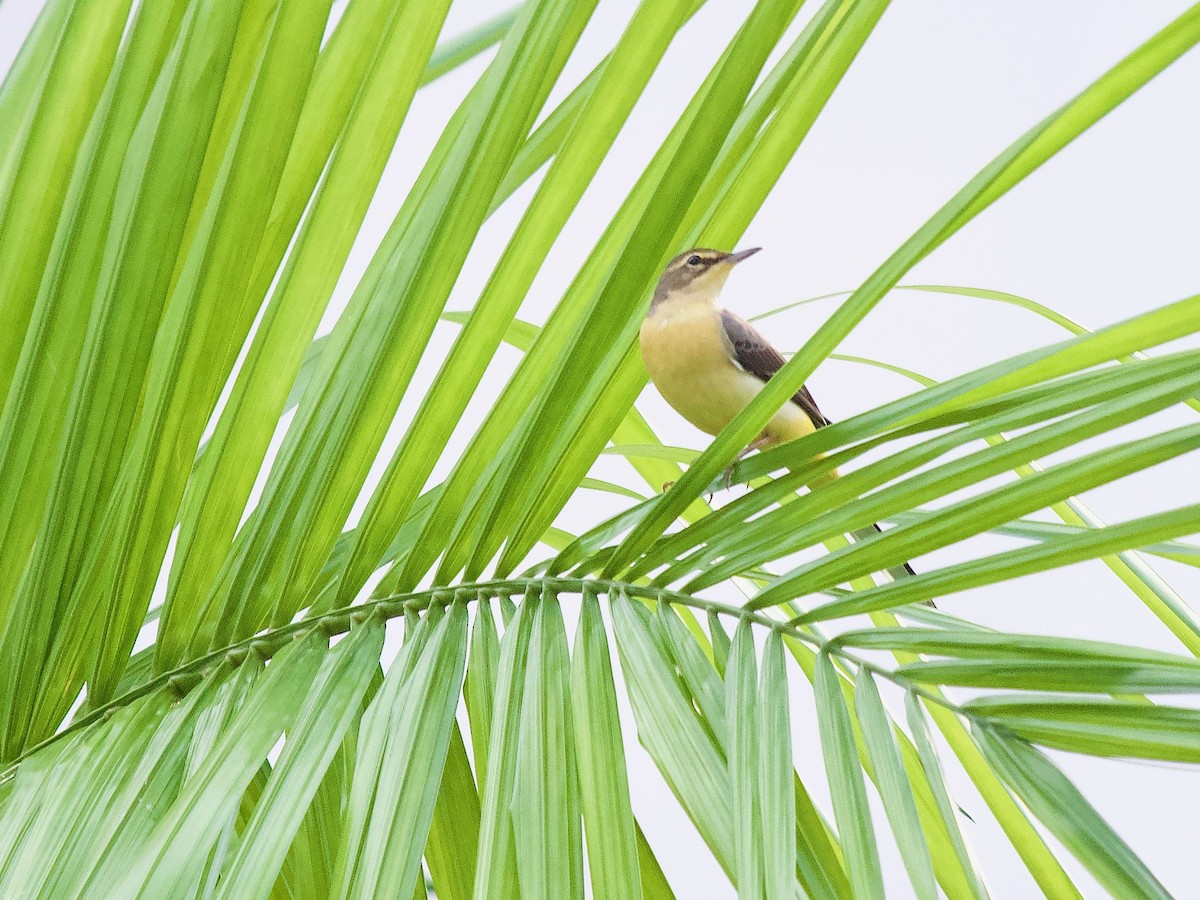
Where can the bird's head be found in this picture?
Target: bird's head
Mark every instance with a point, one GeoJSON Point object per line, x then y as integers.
{"type": "Point", "coordinates": [698, 273]}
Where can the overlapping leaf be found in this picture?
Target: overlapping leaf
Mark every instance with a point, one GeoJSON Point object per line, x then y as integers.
{"type": "Point", "coordinates": [180, 186]}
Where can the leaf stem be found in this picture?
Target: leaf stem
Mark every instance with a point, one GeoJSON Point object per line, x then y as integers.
{"type": "Point", "coordinates": [264, 645]}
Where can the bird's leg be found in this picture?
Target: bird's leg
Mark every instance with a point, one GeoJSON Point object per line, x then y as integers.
{"type": "Point", "coordinates": [757, 444]}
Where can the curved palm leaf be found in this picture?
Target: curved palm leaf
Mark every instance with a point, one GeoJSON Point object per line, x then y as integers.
{"type": "Point", "coordinates": [180, 187]}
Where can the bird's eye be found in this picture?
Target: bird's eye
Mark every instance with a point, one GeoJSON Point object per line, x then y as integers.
{"type": "Point", "coordinates": [693, 261]}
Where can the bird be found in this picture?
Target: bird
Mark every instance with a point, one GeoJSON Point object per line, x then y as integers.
{"type": "Point", "coordinates": [708, 362]}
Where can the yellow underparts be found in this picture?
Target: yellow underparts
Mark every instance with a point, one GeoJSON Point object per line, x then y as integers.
{"type": "Point", "coordinates": [691, 362]}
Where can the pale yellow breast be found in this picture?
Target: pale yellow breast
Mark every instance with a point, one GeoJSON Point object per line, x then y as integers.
{"type": "Point", "coordinates": [685, 352]}
{"type": "Point", "coordinates": [689, 360]}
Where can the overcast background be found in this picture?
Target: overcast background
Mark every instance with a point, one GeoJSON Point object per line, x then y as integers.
{"type": "Point", "coordinates": [1107, 229]}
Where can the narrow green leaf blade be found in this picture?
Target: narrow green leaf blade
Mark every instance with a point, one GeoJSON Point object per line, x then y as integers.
{"type": "Point", "coordinates": [453, 842]}
{"type": "Point", "coordinates": [545, 810]}
{"type": "Point", "coordinates": [894, 788]}
{"type": "Point", "coordinates": [612, 845]}
{"type": "Point", "coordinates": [496, 870]}
{"type": "Point", "coordinates": [693, 765]}
{"type": "Point", "coordinates": [1062, 809]}
{"type": "Point", "coordinates": [408, 735]}
{"type": "Point", "coordinates": [191, 828]}
{"type": "Point", "coordinates": [479, 690]}
{"type": "Point", "coordinates": [1097, 727]}
{"type": "Point", "coordinates": [329, 709]}
{"type": "Point", "coordinates": [741, 695]}
{"type": "Point", "coordinates": [846, 783]}
{"type": "Point", "coordinates": [777, 805]}
{"type": "Point", "coordinates": [928, 761]}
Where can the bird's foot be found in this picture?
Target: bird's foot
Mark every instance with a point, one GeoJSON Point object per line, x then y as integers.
{"type": "Point", "coordinates": [667, 485]}
{"type": "Point", "coordinates": [757, 444]}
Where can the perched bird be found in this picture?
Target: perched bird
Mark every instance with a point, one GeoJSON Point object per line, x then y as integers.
{"type": "Point", "coordinates": [709, 362]}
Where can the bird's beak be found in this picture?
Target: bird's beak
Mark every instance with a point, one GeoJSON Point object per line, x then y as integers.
{"type": "Point", "coordinates": [736, 258]}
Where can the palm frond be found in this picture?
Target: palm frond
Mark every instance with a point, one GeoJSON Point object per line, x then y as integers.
{"type": "Point", "coordinates": [217, 678]}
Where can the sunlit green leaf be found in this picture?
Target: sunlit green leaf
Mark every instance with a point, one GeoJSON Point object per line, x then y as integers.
{"type": "Point", "coordinates": [846, 784]}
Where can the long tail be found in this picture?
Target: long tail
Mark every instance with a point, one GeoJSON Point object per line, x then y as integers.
{"type": "Point", "coordinates": [896, 572]}
{"type": "Point", "coordinates": [862, 534]}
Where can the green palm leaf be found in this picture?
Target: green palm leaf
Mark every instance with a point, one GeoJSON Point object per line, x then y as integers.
{"type": "Point", "coordinates": [255, 564]}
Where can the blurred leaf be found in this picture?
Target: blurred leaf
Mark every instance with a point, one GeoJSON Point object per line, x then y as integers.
{"type": "Point", "coordinates": [1062, 809]}
{"type": "Point", "coordinates": [1097, 727]}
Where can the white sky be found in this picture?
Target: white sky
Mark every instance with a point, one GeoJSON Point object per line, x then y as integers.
{"type": "Point", "coordinates": [1107, 229]}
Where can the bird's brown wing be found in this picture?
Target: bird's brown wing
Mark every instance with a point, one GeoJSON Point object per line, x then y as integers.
{"type": "Point", "coordinates": [755, 354]}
